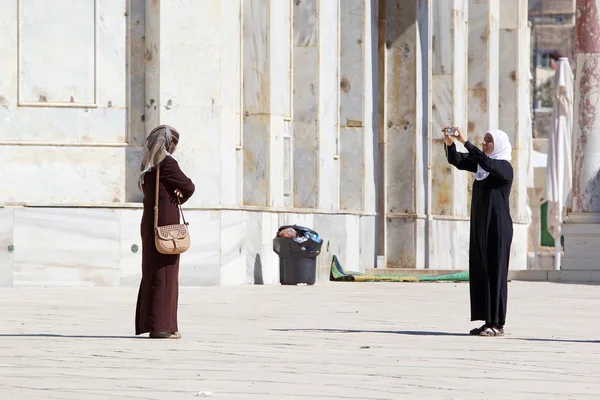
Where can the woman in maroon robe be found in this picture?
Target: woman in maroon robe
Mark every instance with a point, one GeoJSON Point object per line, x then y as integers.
{"type": "Point", "coordinates": [156, 310]}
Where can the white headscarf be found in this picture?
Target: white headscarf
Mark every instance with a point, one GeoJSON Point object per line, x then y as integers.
{"type": "Point", "coordinates": [502, 151]}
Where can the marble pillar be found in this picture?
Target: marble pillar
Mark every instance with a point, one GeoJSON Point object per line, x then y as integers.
{"type": "Point", "coordinates": [449, 102]}
{"type": "Point", "coordinates": [306, 103]}
{"type": "Point", "coordinates": [582, 227]}
{"type": "Point", "coordinates": [404, 76]}
{"type": "Point", "coordinates": [328, 106]}
{"type": "Point", "coordinates": [449, 218]}
{"type": "Point", "coordinates": [513, 115]}
{"type": "Point", "coordinates": [483, 69]}
{"type": "Point", "coordinates": [352, 81]}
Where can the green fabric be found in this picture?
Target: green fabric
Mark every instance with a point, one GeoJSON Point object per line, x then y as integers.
{"type": "Point", "coordinates": [338, 274]}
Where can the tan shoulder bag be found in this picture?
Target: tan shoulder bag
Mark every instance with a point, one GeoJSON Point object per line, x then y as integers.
{"type": "Point", "coordinates": [170, 239]}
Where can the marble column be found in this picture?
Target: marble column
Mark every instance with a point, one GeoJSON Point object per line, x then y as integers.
{"type": "Point", "coordinates": [483, 69]}
{"type": "Point", "coordinates": [513, 115]}
{"type": "Point", "coordinates": [582, 227]}
{"type": "Point", "coordinates": [306, 103]}
{"type": "Point", "coordinates": [404, 78]}
{"type": "Point", "coordinates": [352, 86]}
{"type": "Point", "coordinates": [449, 218]}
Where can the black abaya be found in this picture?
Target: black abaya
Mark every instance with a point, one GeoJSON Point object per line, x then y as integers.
{"type": "Point", "coordinates": [491, 233]}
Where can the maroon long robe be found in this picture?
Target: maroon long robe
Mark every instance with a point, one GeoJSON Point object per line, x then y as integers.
{"type": "Point", "coordinates": [156, 309]}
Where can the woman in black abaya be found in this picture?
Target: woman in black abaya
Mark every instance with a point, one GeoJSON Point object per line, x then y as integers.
{"type": "Point", "coordinates": [491, 225]}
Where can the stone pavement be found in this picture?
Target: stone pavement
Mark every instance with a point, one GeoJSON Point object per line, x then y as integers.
{"type": "Point", "coordinates": [330, 341]}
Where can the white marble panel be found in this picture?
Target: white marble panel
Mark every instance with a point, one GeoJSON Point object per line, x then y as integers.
{"type": "Point", "coordinates": [102, 125]}
{"type": "Point", "coordinates": [442, 181]}
{"type": "Point", "coordinates": [130, 261]}
{"type": "Point", "coordinates": [105, 124]}
{"type": "Point", "coordinates": [230, 100]}
{"type": "Point", "coordinates": [306, 164]}
{"type": "Point", "coordinates": [353, 248]}
{"type": "Point", "coordinates": [231, 163]}
{"type": "Point", "coordinates": [280, 54]}
{"type": "Point", "coordinates": [401, 174]}
{"type": "Point", "coordinates": [254, 246]}
{"type": "Point", "coordinates": [352, 78]}
{"type": "Point", "coordinates": [200, 265]}
{"type": "Point", "coordinates": [306, 220]}
{"type": "Point", "coordinates": [333, 230]}
{"type": "Point", "coordinates": [328, 105]}
{"type": "Point", "coordinates": [442, 38]}
{"type": "Point", "coordinates": [442, 104]}
{"type": "Point", "coordinates": [190, 40]}
{"type": "Point", "coordinates": [57, 175]}
{"type": "Point", "coordinates": [460, 35]}
{"type": "Point", "coordinates": [509, 13]}
{"type": "Point", "coordinates": [367, 243]}
{"type": "Point", "coordinates": [196, 154]}
{"type": "Point", "coordinates": [483, 67]}
{"type": "Point", "coordinates": [306, 24]}
{"type": "Point", "coordinates": [112, 53]}
{"type": "Point", "coordinates": [136, 74]}
{"type": "Point", "coordinates": [401, 243]}
{"type": "Point", "coordinates": [269, 259]}
{"type": "Point", "coordinates": [370, 105]}
{"type": "Point", "coordinates": [45, 29]}
{"type": "Point", "coordinates": [449, 244]}
{"type": "Point", "coordinates": [518, 251]}
{"type": "Point", "coordinates": [6, 240]}
{"type": "Point", "coordinates": [421, 244]}
{"type": "Point", "coordinates": [234, 247]}
{"type": "Point", "coordinates": [278, 126]}
{"type": "Point", "coordinates": [351, 169]}
{"type": "Point", "coordinates": [66, 247]}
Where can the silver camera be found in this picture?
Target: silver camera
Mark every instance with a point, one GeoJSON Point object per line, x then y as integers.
{"type": "Point", "coordinates": [450, 132]}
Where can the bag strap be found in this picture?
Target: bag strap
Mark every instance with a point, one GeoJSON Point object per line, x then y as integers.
{"type": "Point", "coordinates": [156, 200]}
{"type": "Point", "coordinates": [156, 197]}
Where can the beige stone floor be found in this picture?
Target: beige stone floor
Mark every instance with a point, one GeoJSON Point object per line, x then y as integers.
{"type": "Point", "coordinates": [329, 341]}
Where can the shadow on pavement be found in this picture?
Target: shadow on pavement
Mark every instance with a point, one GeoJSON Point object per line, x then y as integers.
{"type": "Point", "coordinates": [410, 333]}
{"type": "Point", "coordinates": [428, 333]}
{"type": "Point", "coordinates": [557, 340]}
{"type": "Point", "coordinates": [51, 335]}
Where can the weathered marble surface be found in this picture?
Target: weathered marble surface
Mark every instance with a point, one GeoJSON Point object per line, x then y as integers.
{"type": "Point", "coordinates": [329, 130]}
{"type": "Point", "coordinates": [449, 102]}
{"type": "Point", "coordinates": [483, 68]}
{"type": "Point", "coordinates": [256, 101]}
{"type": "Point", "coordinates": [306, 104]}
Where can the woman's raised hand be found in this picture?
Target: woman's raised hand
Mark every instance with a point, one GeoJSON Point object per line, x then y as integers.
{"type": "Point", "coordinates": [460, 137]}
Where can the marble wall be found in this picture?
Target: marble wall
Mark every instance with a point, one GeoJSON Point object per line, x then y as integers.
{"type": "Point", "coordinates": [320, 113]}
{"type": "Point", "coordinates": [101, 247]}
{"type": "Point", "coordinates": [271, 133]}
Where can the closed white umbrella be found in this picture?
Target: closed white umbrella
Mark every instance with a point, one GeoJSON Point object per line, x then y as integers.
{"type": "Point", "coordinates": [560, 168]}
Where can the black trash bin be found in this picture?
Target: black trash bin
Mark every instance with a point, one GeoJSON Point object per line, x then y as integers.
{"type": "Point", "coordinates": [297, 256]}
